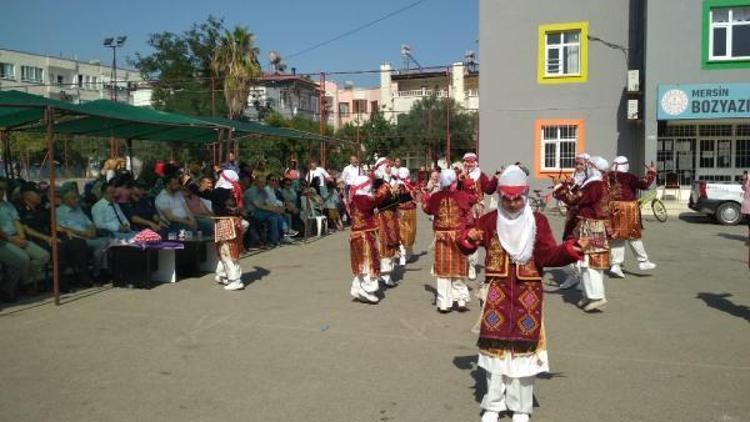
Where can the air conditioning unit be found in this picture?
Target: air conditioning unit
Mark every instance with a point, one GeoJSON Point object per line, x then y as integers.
{"type": "Point", "coordinates": [634, 80]}
{"type": "Point", "coordinates": [633, 110]}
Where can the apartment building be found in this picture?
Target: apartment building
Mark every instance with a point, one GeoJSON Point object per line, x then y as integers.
{"type": "Point", "coordinates": [288, 94]}
{"type": "Point", "coordinates": [400, 89]}
{"type": "Point", "coordinates": [69, 79]}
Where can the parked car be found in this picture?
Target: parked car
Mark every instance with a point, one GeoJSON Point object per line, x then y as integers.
{"type": "Point", "coordinates": [720, 200]}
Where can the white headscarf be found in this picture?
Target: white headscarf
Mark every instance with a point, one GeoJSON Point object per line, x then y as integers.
{"type": "Point", "coordinates": [579, 177]}
{"type": "Point", "coordinates": [447, 178]}
{"type": "Point", "coordinates": [379, 168]}
{"type": "Point", "coordinates": [361, 184]}
{"type": "Point", "coordinates": [592, 171]}
{"type": "Point", "coordinates": [516, 232]}
{"type": "Point", "coordinates": [226, 178]}
{"type": "Point", "coordinates": [620, 164]}
{"type": "Point", "coordinates": [403, 175]}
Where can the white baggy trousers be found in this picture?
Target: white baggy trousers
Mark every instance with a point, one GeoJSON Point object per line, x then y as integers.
{"type": "Point", "coordinates": [617, 250]}
{"type": "Point", "coordinates": [592, 280]}
{"type": "Point", "coordinates": [506, 393]}
{"type": "Point", "coordinates": [451, 290]}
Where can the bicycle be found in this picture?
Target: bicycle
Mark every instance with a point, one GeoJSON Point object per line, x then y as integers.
{"type": "Point", "coordinates": [539, 202]}
{"type": "Point", "coordinates": [657, 207]}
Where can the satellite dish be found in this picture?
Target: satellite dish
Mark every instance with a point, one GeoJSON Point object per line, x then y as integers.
{"type": "Point", "coordinates": [274, 58]}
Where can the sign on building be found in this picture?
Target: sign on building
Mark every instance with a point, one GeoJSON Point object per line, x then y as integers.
{"type": "Point", "coordinates": [703, 101]}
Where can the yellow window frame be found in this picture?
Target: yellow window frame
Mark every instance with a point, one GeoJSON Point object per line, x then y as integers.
{"type": "Point", "coordinates": [581, 77]}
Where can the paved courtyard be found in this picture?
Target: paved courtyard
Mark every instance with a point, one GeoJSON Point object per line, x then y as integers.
{"type": "Point", "coordinates": [293, 346]}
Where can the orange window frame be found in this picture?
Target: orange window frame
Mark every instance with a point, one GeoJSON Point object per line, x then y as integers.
{"type": "Point", "coordinates": [580, 142]}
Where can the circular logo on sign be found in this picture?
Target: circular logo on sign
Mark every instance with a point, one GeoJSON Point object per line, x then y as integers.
{"type": "Point", "coordinates": [674, 102]}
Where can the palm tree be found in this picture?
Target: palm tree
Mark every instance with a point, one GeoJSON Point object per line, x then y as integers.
{"type": "Point", "coordinates": [236, 61]}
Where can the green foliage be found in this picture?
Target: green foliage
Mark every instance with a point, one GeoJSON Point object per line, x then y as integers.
{"type": "Point", "coordinates": [423, 129]}
{"type": "Point", "coordinates": [235, 62]}
{"type": "Point", "coordinates": [182, 64]}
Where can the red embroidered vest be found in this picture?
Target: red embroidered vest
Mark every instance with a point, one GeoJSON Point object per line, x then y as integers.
{"type": "Point", "coordinates": [513, 309]}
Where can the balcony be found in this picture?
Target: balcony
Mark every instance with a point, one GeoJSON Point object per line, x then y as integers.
{"type": "Point", "coordinates": [422, 93]}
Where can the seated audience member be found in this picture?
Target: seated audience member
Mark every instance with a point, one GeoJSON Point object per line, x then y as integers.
{"type": "Point", "coordinates": [291, 200]}
{"type": "Point", "coordinates": [17, 254]}
{"type": "Point", "coordinates": [264, 208]}
{"type": "Point", "coordinates": [311, 204]}
{"type": "Point", "coordinates": [274, 192]}
{"type": "Point", "coordinates": [76, 224]}
{"type": "Point", "coordinates": [141, 211]}
{"type": "Point", "coordinates": [172, 206]}
{"type": "Point", "coordinates": [199, 206]}
{"type": "Point", "coordinates": [108, 215]}
{"type": "Point", "coordinates": [331, 204]}
{"type": "Point", "coordinates": [73, 253]}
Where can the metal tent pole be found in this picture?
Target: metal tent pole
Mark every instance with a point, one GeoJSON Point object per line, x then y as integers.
{"type": "Point", "coordinates": [49, 120]}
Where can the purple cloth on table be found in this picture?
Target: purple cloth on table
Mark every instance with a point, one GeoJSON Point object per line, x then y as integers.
{"type": "Point", "coordinates": [160, 245]}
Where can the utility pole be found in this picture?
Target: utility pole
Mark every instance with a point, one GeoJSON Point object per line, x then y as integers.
{"type": "Point", "coordinates": [359, 143]}
{"type": "Point", "coordinates": [322, 118]}
{"type": "Point", "coordinates": [448, 120]}
{"type": "Point", "coordinates": [114, 43]}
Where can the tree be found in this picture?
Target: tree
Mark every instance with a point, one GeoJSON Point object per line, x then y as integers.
{"type": "Point", "coordinates": [423, 129]}
{"type": "Point", "coordinates": [182, 65]}
{"type": "Point", "coordinates": [235, 61]}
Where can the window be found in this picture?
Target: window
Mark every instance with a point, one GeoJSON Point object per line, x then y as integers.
{"type": "Point", "coordinates": [31, 74]}
{"type": "Point", "coordinates": [707, 153]}
{"type": "Point", "coordinates": [60, 79]}
{"type": "Point", "coordinates": [726, 33]}
{"type": "Point", "coordinates": [359, 106]}
{"type": "Point", "coordinates": [742, 154]}
{"type": "Point", "coordinates": [557, 142]}
{"type": "Point", "coordinates": [563, 53]}
{"type": "Point", "coordinates": [724, 153]}
{"type": "Point", "coordinates": [344, 109]}
{"type": "Point", "coordinates": [373, 106]}
{"type": "Point", "coordinates": [7, 71]}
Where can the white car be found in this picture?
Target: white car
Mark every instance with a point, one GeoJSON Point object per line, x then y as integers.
{"type": "Point", "coordinates": [720, 200]}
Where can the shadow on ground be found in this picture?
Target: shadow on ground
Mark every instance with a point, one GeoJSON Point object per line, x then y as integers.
{"type": "Point", "coordinates": [256, 275]}
{"type": "Point", "coordinates": [696, 218]}
{"type": "Point", "coordinates": [719, 301]}
{"type": "Point", "coordinates": [732, 236]}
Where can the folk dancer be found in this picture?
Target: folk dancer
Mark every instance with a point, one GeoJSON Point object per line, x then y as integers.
{"type": "Point", "coordinates": [407, 215]}
{"type": "Point", "coordinates": [580, 174]}
{"type": "Point", "coordinates": [592, 203]}
{"type": "Point", "coordinates": [387, 214]}
{"type": "Point", "coordinates": [452, 211]}
{"type": "Point", "coordinates": [226, 203]}
{"type": "Point", "coordinates": [363, 240]}
{"type": "Point", "coordinates": [512, 342]}
{"type": "Point", "coordinates": [626, 215]}
{"type": "Point", "coordinates": [474, 182]}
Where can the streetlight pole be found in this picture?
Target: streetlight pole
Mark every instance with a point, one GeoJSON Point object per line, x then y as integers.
{"type": "Point", "coordinates": [114, 43]}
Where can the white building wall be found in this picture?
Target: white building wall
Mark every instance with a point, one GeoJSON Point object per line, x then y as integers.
{"type": "Point", "coordinates": [60, 78]}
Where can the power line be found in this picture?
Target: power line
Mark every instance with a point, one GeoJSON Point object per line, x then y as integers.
{"type": "Point", "coordinates": [357, 29]}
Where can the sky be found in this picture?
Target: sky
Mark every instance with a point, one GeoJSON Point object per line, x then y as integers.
{"type": "Point", "coordinates": [438, 31]}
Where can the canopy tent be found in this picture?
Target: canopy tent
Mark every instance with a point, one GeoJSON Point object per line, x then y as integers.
{"type": "Point", "coordinates": [20, 111]}
{"type": "Point", "coordinates": [244, 129]}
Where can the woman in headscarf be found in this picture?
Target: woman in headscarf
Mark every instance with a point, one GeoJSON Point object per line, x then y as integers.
{"type": "Point", "coordinates": [512, 345]}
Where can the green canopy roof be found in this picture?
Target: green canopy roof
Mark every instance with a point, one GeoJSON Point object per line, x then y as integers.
{"type": "Point", "coordinates": [242, 128]}
{"type": "Point", "coordinates": [104, 118]}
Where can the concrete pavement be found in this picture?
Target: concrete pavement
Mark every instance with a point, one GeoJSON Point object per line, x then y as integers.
{"type": "Point", "coordinates": [293, 345]}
